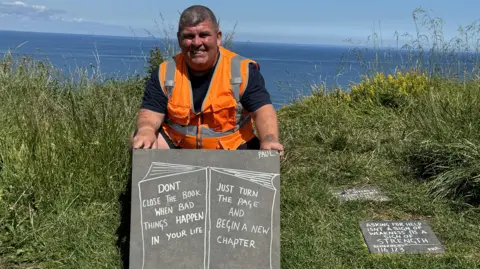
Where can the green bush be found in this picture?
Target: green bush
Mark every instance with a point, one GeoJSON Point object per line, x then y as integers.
{"type": "Point", "coordinates": [155, 59]}
{"type": "Point", "coordinates": [453, 169]}
{"type": "Point", "coordinates": [443, 141]}
{"type": "Point", "coordinates": [387, 90]}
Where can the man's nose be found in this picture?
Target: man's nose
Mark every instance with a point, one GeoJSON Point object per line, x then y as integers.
{"type": "Point", "coordinates": [196, 41]}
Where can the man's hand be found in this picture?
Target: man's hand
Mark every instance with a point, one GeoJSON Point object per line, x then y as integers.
{"type": "Point", "coordinates": [148, 124]}
{"type": "Point", "coordinates": [269, 142]}
{"type": "Point", "coordinates": [267, 127]}
{"type": "Point", "coordinates": [145, 138]}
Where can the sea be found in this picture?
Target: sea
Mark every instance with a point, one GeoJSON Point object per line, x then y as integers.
{"type": "Point", "coordinates": [289, 70]}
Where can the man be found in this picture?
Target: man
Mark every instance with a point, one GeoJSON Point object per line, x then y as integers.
{"type": "Point", "coordinates": [207, 96]}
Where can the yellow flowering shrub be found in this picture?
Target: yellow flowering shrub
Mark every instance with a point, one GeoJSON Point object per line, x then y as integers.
{"type": "Point", "coordinates": [387, 89]}
{"type": "Point", "coordinates": [340, 94]}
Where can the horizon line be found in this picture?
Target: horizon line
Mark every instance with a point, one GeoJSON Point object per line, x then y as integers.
{"type": "Point", "coordinates": [325, 45]}
{"type": "Point", "coordinates": [346, 45]}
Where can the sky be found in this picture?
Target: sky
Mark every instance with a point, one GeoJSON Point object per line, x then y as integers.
{"type": "Point", "coordinates": [302, 22]}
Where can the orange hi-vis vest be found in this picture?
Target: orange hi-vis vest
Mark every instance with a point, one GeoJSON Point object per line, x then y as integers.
{"type": "Point", "coordinates": [222, 122]}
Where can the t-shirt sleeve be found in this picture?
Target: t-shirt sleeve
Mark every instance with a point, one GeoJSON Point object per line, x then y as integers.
{"type": "Point", "coordinates": [153, 96]}
{"type": "Point", "coordinates": [255, 94]}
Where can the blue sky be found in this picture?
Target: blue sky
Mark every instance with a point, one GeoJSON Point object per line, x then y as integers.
{"type": "Point", "coordinates": [307, 21]}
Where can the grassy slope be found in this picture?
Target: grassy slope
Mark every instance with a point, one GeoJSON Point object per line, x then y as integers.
{"type": "Point", "coordinates": [331, 144]}
{"type": "Point", "coordinates": [64, 165]}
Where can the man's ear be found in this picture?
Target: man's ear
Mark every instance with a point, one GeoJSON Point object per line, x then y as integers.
{"type": "Point", "coordinates": [179, 39]}
{"type": "Point", "coordinates": [219, 37]}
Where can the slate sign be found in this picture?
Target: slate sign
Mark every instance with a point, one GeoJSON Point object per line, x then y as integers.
{"type": "Point", "coordinates": [205, 209]}
{"type": "Point", "coordinates": [360, 193]}
{"type": "Point", "coordinates": [407, 236]}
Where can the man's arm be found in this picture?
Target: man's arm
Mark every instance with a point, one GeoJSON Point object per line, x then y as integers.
{"type": "Point", "coordinates": [148, 119]}
{"type": "Point", "coordinates": [256, 100]}
{"type": "Point", "coordinates": [266, 124]}
{"type": "Point", "coordinates": [151, 115]}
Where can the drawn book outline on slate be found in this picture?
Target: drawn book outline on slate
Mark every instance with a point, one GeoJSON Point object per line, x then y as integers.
{"type": "Point", "coordinates": [216, 227]}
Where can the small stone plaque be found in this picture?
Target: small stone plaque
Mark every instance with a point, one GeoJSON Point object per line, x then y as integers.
{"type": "Point", "coordinates": [205, 209]}
{"type": "Point", "coordinates": [360, 193]}
{"type": "Point", "coordinates": [400, 237]}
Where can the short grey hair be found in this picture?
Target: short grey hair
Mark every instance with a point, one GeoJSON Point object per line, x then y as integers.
{"type": "Point", "coordinates": [196, 14]}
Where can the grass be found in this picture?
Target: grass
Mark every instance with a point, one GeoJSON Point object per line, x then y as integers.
{"type": "Point", "coordinates": [338, 144]}
{"type": "Point", "coordinates": [64, 163]}
{"type": "Point", "coordinates": [64, 167]}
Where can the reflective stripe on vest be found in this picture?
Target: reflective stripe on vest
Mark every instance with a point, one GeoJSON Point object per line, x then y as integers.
{"type": "Point", "coordinates": [235, 81]}
{"type": "Point", "coordinates": [170, 77]}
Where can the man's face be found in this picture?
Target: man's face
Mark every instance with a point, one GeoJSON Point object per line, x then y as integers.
{"type": "Point", "coordinates": [200, 45]}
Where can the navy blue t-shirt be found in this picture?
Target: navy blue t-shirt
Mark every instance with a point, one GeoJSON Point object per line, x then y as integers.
{"type": "Point", "coordinates": [254, 96]}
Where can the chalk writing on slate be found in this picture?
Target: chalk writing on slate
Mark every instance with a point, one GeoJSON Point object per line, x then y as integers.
{"type": "Point", "coordinates": [360, 193]}
{"type": "Point", "coordinates": [407, 236]}
{"type": "Point", "coordinates": [203, 216]}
